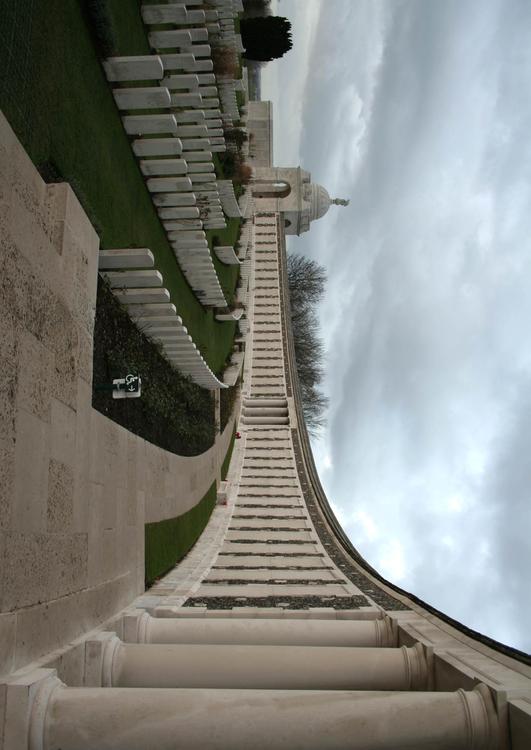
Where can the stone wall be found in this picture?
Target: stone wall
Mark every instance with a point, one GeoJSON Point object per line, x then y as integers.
{"type": "Point", "coordinates": [75, 488]}
{"type": "Point", "coordinates": [260, 125]}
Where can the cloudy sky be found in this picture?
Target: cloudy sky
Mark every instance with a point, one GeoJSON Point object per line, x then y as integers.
{"type": "Point", "coordinates": [420, 112]}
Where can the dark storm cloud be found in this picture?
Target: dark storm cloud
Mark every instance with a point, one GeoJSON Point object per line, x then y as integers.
{"type": "Point", "coordinates": [418, 112]}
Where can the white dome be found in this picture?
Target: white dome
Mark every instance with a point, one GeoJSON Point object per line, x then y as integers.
{"type": "Point", "coordinates": [319, 201]}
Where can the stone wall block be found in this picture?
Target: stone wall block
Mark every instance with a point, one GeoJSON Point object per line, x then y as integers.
{"type": "Point", "coordinates": [109, 555]}
{"type": "Point", "coordinates": [63, 433]}
{"type": "Point", "coordinates": [82, 457]}
{"type": "Point", "coordinates": [120, 458]}
{"type": "Point", "coordinates": [132, 503]}
{"type": "Point", "coordinates": [7, 481]}
{"type": "Point", "coordinates": [67, 208]}
{"type": "Point", "coordinates": [60, 497]}
{"type": "Point", "coordinates": [60, 334]}
{"type": "Point", "coordinates": [127, 551]}
{"type": "Point", "coordinates": [109, 511]}
{"type": "Point", "coordinates": [155, 478]}
{"type": "Point", "coordinates": [70, 665]}
{"type": "Point", "coordinates": [29, 232]}
{"type": "Point", "coordinates": [80, 504]}
{"type": "Point", "coordinates": [42, 311]}
{"type": "Point", "coordinates": [78, 282]}
{"type": "Point", "coordinates": [123, 533]}
{"type": "Point", "coordinates": [101, 534]}
{"type": "Point", "coordinates": [100, 458]}
{"type": "Point", "coordinates": [43, 628]}
{"type": "Point", "coordinates": [32, 453]}
{"type": "Point", "coordinates": [108, 430]}
{"type": "Point", "coordinates": [40, 567]}
{"type": "Point", "coordinates": [34, 381]}
{"type": "Point", "coordinates": [8, 388]}
{"type": "Point", "coordinates": [85, 358]}
{"type": "Point", "coordinates": [7, 642]}
{"type": "Point", "coordinates": [131, 481]}
{"type": "Point", "coordinates": [18, 284]}
{"type": "Point", "coordinates": [141, 458]}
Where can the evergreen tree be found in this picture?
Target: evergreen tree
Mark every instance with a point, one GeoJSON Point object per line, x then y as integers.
{"type": "Point", "coordinates": [265, 38]}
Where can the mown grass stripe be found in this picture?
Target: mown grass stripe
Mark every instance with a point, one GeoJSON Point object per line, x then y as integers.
{"type": "Point", "coordinates": [168, 541]}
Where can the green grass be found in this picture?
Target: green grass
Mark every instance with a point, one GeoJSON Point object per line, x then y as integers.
{"type": "Point", "coordinates": [168, 541]}
{"type": "Point", "coordinates": [226, 461]}
{"type": "Point", "coordinates": [129, 31]}
{"type": "Point", "coordinates": [54, 93]}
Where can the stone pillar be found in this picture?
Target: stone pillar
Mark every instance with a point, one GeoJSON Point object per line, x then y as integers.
{"type": "Point", "coordinates": [123, 719]}
{"type": "Point", "coordinates": [257, 667]}
{"type": "Point", "coordinates": [147, 629]}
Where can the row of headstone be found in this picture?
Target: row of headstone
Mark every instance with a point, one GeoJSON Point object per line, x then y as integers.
{"type": "Point", "coordinates": [228, 198]}
{"type": "Point", "coordinates": [193, 254]}
{"type": "Point", "coordinates": [229, 102]}
{"type": "Point", "coordinates": [246, 203]}
{"type": "Point", "coordinates": [247, 239]}
{"type": "Point", "coordinates": [228, 315]}
{"type": "Point", "coordinates": [129, 272]}
{"type": "Point", "coordinates": [226, 254]}
{"type": "Point", "coordinates": [242, 296]}
{"type": "Point", "coordinates": [227, 12]}
{"type": "Point", "coordinates": [191, 136]}
{"type": "Point", "coordinates": [212, 26]}
{"type": "Point", "coordinates": [244, 240]}
{"type": "Point", "coordinates": [182, 182]}
{"type": "Point", "coordinates": [232, 373]}
{"type": "Point", "coordinates": [175, 153]}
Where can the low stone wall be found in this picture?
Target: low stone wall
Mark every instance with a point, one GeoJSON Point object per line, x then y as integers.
{"type": "Point", "coordinates": [75, 488]}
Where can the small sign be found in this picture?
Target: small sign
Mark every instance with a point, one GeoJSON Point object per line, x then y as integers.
{"type": "Point", "coordinates": [128, 387]}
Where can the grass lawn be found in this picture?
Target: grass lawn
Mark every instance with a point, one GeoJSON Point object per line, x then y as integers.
{"type": "Point", "coordinates": [168, 541]}
{"type": "Point", "coordinates": [56, 98]}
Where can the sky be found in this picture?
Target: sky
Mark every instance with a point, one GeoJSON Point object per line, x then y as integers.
{"type": "Point", "coordinates": [420, 112]}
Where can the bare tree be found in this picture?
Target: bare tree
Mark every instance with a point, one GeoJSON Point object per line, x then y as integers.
{"type": "Point", "coordinates": [306, 282]}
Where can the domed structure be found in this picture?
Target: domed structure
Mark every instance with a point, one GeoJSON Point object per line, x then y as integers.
{"type": "Point", "coordinates": [291, 192]}
{"type": "Point", "coordinates": [319, 201]}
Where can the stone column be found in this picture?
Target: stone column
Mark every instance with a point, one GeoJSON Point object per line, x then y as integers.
{"type": "Point", "coordinates": [257, 667]}
{"type": "Point", "coordinates": [146, 629]}
{"type": "Point", "coordinates": [123, 719]}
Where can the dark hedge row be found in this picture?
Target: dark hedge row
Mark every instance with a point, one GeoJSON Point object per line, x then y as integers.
{"type": "Point", "coordinates": [172, 412]}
